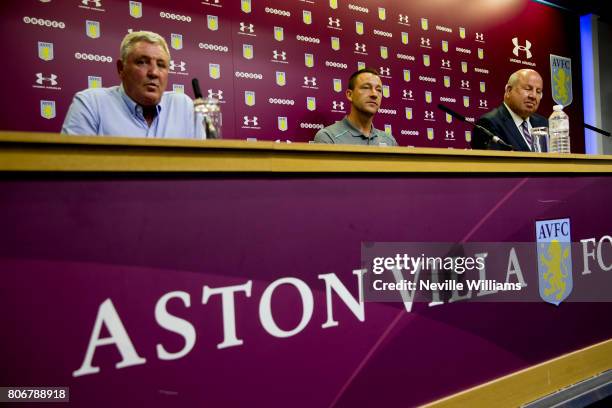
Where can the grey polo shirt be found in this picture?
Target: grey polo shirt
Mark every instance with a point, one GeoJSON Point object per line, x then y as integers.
{"type": "Point", "coordinates": [343, 132]}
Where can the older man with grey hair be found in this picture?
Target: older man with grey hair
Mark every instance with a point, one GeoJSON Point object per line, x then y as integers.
{"type": "Point", "coordinates": [139, 107]}
{"type": "Point", "coordinates": [513, 120]}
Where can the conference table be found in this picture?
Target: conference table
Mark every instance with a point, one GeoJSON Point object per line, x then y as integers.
{"type": "Point", "coordinates": [231, 272]}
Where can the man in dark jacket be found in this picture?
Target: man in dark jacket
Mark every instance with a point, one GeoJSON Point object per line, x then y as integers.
{"type": "Point", "coordinates": [514, 119]}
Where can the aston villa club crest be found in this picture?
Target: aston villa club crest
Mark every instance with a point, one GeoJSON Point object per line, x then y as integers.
{"type": "Point", "coordinates": [384, 52]}
{"type": "Point", "coordinates": [282, 123]}
{"type": "Point", "coordinates": [311, 103]}
{"type": "Point", "coordinates": [466, 101]}
{"type": "Point", "coordinates": [214, 71]}
{"type": "Point", "coordinates": [561, 79]}
{"type": "Point", "coordinates": [249, 98]}
{"type": "Point", "coordinates": [335, 43]}
{"type": "Point", "coordinates": [426, 60]}
{"type": "Point", "coordinates": [245, 6]}
{"type": "Point", "coordinates": [554, 259]}
{"type": "Point", "coordinates": [386, 91]}
{"type": "Point", "coordinates": [176, 41]}
{"type": "Point", "coordinates": [408, 112]}
{"type": "Point", "coordinates": [404, 37]}
{"type": "Point", "coordinates": [333, 4]}
{"type": "Point", "coordinates": [281, 79]}
{"type": "Point", "coordinates": [388, 129]}
{"type": "Point", "coordinates": [279, 33]}
{"type": "Point", "coordinates": [480, 53]}
{"type": "Point", "coordinates": [92, 29]}
{"type": "Point", "coordinates": [406, 75]}
{"type": "Point", "coordinates": [45, 51]}
{"type": "Point", "coordinates": [94, 81]}
{"type": "Point", "coordinates": [482, 87]}
{"type": "Point", "coordinates": [359, 27]}
{"type": "Point", "coordinates": [447, 81]}
{"type": "Point", "coordinates": [428, 97]}
{"type": "Point", "coordinates": [382, 13]}
{"type": "Point", "coordinates": [449, 118]}
{"type": "Point", "coordinates": [337, 85]}
{"type": "Point", "coordinates": [247, 51]}
{"type": "Point", "coordinates": [306, 17]}
{"type": "Point", "coordinates": [309, 60]}
{"type": "Point", "coordinates": [462, 33]}
{"type": "Point", "coordinates": [430, 133]}
{"type": "Point", "coordinates": [464, 67]}
{"type": "Point", "coordinates": [212, 22]}
{"type": "Point", "coordinates": [136, 9]}
{"type": "Point", "coordinates": [178, 88]}
{"type": "Point", "coordinates": [47, 109]}
{"type": "Point", "coordinates": [424, 24]}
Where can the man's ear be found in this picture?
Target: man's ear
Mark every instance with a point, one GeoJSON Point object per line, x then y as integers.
{"type": "Point", "coordinates": [119, 66]}
{"type": "Point", "coordinates": [349, 94]}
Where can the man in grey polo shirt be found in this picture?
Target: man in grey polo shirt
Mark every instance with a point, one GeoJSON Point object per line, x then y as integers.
{"type": "Point", "coordinates": [365, 93]}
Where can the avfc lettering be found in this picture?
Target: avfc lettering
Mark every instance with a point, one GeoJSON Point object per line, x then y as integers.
{"type": "Point", "coordinates": [553, 229]}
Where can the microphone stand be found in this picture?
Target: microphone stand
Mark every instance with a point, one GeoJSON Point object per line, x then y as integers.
{"type": "Point", "coordinates": [492, 136]}
{"type": "Point", "coordinates": [598, 130]}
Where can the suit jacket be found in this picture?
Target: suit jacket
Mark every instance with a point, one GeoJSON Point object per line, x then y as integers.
{"type": "Point", "coordinates": [500, 122]}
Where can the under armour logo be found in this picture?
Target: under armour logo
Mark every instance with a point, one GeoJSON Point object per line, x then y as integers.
{"type": "Point", "coordinates": [407, 94]}
{"type": "Point", "coordinates": [338, 105]}
{"type": "Point", "coordinates": [482, 103]}
{"type": "Point", "coordinates": [445, 63]}
{"type": "Point", "coordinates": [450, 134]}
{"type": "Point", "coordinates": [312, 81]}
{"type": "Point", "coordinates": [479, 37]}
{"type": "Point", "coordinates": [335, 22]}
{"type": "Point", "coordinates": [246, 121]}
{"type": "Point", "coordinates": [360, 47]}
{"type": "Point", "coordinates": [429, 115]}
{"type": "Point", "coordinates": [244, 27]}
{"type": "Point", "coordinates": [96, 3]}
{"type": "Point", "coordinates": [214, 1]}
{"type": "Point", "coordinates": [282, 55]}
{"type": "Point", "coordinates": [518, 47]}
{"type": "Point", "coordinates": [403, 19]}
{"type": "Point", "coordinates": [384, 71]}
{"type": "Point", "coordinates": [465, 84]}
{"type": "Point", "coordinates": [40, 79]}
{"type": "Point", "coordinates": [180, 66]}
{"type": "Point", "coordinates": [216, 95]}
{"type": "Point", "coordinates": [425, 42]}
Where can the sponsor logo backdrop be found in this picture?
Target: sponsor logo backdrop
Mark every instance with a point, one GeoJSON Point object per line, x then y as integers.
{"type": "Point", "coordinates": [280, 68]}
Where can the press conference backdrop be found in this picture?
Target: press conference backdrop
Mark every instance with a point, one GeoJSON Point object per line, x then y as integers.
{"type": "Point", "coordinates": [280, 68]}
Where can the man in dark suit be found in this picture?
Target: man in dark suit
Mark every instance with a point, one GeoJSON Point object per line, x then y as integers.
{"type": "Point", "coordinates": [513, 120]}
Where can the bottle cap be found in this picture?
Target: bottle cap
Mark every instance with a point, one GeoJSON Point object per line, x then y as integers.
{"type": "Point", "coordinates": [558, 108]}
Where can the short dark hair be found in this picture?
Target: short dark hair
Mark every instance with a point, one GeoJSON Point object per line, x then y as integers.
{"type": "Point", "coordinates": [354, 75]}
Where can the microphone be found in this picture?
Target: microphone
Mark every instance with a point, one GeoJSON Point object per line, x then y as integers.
{"type": "Point", "coordinates": [483, 129]}
{"type": "Point", "coordinates": [196, 88]}
{"type": "Point", "coordinates": [598, 130]}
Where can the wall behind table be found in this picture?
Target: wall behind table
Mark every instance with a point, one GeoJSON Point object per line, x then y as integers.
{"type": "Point", "coordinates": [280, 68]}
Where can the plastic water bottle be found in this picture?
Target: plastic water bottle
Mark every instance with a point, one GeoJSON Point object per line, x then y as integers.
{"type": "Point", "coordinates": [558, 130]}
{"type": "Point", "coordinates": [208, 113]}
{"type": "Point", "coordinates": [214, 119]}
